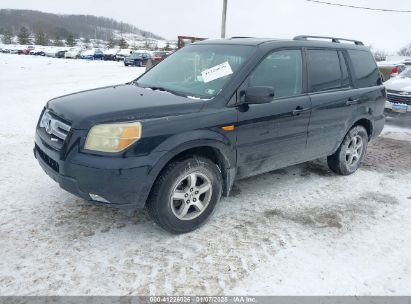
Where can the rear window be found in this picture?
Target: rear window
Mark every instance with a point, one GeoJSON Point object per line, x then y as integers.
{"type": "Point", "coordinates": [325, 70]}
{"type": "Point", "coordinates": [365, 68]}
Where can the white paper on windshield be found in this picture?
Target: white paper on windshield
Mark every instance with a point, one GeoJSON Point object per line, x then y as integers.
{"type": "Point", "coordinates": [216, 72]}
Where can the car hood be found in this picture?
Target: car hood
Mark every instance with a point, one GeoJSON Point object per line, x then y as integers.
{"type": "Point", "coordinates": [119, 103]}
{"type": "Point", "coordinates": [399, 84]}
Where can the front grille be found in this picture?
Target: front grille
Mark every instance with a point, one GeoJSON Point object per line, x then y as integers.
{"type": "Point", "coordinates": [399, 98]}
{"type": "Point", "coordinates": [54, 129]}
{"type": "Point", "coordinates": [49, 161]}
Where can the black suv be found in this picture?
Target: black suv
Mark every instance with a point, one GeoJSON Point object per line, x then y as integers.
{"type": "Point", "coordinates": [176, 138]}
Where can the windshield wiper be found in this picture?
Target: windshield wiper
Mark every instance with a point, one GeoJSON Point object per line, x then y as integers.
{"type": "Point", "coordinates": [166, 90]}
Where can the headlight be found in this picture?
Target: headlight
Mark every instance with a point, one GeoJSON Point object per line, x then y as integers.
{"type": "Point", "coordinates": [113, 137]}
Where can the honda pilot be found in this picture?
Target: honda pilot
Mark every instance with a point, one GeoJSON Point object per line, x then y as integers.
{"type": "Point", "coordinates": [175, 139]}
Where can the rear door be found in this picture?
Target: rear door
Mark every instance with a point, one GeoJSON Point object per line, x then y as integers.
{"type": "Point", "coordinates": [332, 98]}
{"type": "Point", "coordinates": [274, 135]}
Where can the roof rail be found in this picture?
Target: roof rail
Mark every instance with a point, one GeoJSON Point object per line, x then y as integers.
{"type": "Point", "coordinates": [333, 39]}
{"type": "Point", "coordinates": [239, 37]}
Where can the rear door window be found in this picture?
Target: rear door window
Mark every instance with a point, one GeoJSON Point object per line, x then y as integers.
{"type": "Point", "coordinates": [325, 71]}
{"type": "Point", "coordinates": [365, 68]}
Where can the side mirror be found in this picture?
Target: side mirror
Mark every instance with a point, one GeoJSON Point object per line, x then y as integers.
{"type": "Point", "coordinates": [257, 95]}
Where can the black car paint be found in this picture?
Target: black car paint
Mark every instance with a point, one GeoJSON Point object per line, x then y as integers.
{"type": "Point", "coordinates": [267, 136]}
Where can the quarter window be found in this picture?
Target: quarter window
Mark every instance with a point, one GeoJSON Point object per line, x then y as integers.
{"type": "Point", "coordinates": [282, 71]}
{"type": "Point", "coordinates": [365, 68]}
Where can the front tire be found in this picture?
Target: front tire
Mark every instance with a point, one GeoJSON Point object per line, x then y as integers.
{"type": "Point", "coordinates": [185, 194]}
{"type": "Point", "coordinates": [347, 159]}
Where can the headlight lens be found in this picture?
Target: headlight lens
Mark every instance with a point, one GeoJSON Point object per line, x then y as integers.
{"type": "Point", "coordinates": [113, 137]}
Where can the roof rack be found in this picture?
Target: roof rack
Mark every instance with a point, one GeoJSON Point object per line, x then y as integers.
{"type": "Point", "coordinates": [240, 37]}
{"type": "Point", "coordinates": [333, 39]}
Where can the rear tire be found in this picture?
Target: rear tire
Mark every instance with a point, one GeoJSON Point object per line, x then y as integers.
{"type": "Point", "coordinates": [185, 194]}
{"type": "Point", "coordinates": [347, 159]}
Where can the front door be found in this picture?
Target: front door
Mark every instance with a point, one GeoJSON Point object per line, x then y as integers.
{"type": "Point", "coordinates": [274, 135]}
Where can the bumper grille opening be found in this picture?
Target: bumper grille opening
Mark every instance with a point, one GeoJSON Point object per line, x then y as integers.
{"type": "Point", "coordinates": [50, 162]}
{"type": "Point", "coordinates": [399, 99]}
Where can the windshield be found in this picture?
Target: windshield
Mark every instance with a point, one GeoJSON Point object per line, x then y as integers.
{"type": "Point", "coordinates": [199, 71]}
{"type": "Point", "coordinates": [136, 55]}
{"type": "Point", "coordinates": [406, 74]}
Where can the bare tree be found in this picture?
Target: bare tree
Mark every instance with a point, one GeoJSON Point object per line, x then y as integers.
{"type": "Point", "coordinates": [405, 51]}
{"type": "Point", "coordinates": [380, 55]}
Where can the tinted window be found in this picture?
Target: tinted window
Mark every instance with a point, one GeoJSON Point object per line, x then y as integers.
{"type": "Point", "coordinates": [344, 70]}
{"type": "Point", "coordinates": [324, 70]}
{"type": "Point", "coordinates": [282, 71]}
{"type": "Point", "coordinates": [365, 68]}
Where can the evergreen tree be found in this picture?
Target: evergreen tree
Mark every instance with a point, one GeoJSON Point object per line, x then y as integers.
{"type": "Point", "coordinates": [123, 43]}
{"type": "Point", "coordinates": [111, 43]}
{"type": "Point", "coordinates": [58, 42]}
{"type": "Point", "coordinates": [40, 38]}
{"type": "Point", "coordinates": [24, 35]}
{"type": "Point", "coordinates": [7, 37]}
{"type": "Point", "coordinates": [70, 40]}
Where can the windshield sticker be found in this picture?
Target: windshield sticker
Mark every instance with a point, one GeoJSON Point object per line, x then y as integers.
{"type": "Point", "coordinates": [216, 72]}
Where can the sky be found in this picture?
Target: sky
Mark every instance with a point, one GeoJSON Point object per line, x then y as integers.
{"type": "Point", "coordinates": [258, 18]}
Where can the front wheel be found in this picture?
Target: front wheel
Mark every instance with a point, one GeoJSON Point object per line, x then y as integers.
{"type": "Point", "coordinates": [185, 194]}
{"type": "Point", "coordinates": [351, 152]}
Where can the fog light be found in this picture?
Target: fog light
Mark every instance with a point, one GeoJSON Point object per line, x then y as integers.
{"type": "Point", "coordinates": [98, 198]}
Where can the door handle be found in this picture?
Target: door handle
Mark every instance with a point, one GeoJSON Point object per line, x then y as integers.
{"type": "Point", "coordinates": [298, 110]}
{"type": "Point", "coordinates": [352, 101]}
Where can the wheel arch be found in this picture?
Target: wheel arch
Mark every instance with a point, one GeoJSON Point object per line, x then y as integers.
{"type": "Point", "coordinates": [216, 151]}
{"type": "Point", "coordinates": [366, 123]}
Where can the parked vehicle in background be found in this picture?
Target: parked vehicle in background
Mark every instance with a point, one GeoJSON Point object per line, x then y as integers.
{"type": "Point", "coordinates": [73, 53]}
{"type": "Point", "coordinates": [176, 138]}
{"type": "Point", "coordinates": [51, 52]}
{"type": "Point", "coordinates": [137, 59]}
{"type": "Point", "coordinates": [390, 69]}
{"type": "Point", "coordinates": [156, 58]}
{"type": "Point", "coordinates": [13, 51]}
{"type": "Point", "coordinates": [110, 54]}
{"type": "Point", "coordinates": [123, 53]}
{"type": "Point", "coordinates": [92, 55]}
{"type": "Point", "coordinates": [407, 62]}
{"type": "Point", "coordinates": [24, 51]}
{"type": "Point", "coordinates": [38, 52]}
{"type": "Point", "coordinates": [399, 93]}
{"type": "Point", "coordinates": [60, 54]}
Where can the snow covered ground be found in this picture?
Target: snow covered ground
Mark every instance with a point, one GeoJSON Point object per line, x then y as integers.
{"type": "Point", "coordinates": [300, 230]}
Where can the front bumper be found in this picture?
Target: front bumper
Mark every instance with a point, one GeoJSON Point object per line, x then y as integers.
{"type": "Point", "coordinates": [107, 177]}
{"type": "Point", "coordinates": [389, 106]}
